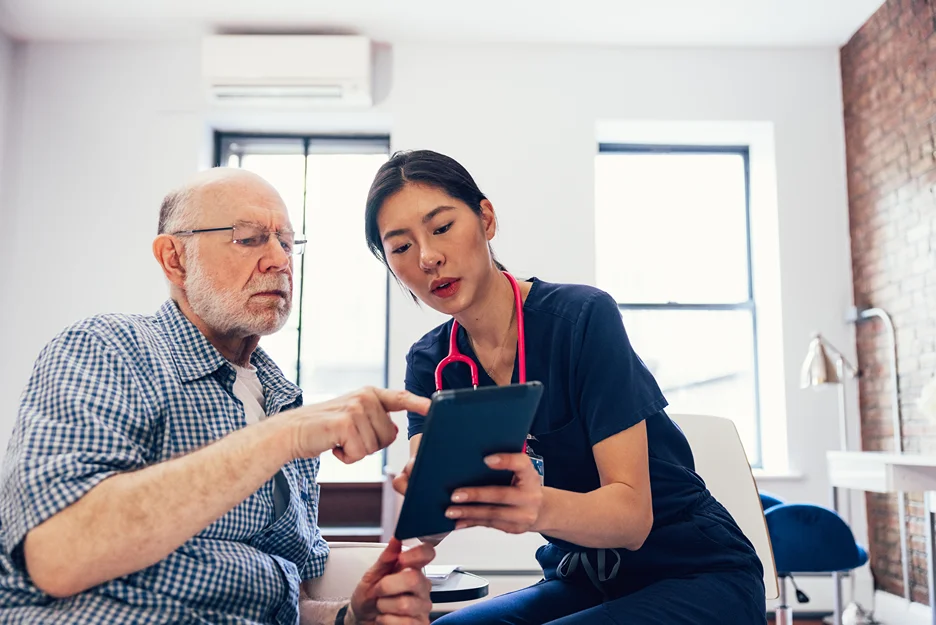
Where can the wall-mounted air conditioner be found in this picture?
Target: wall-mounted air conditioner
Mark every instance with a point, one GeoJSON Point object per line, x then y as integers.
{"type": "Point", "coordinates": [287, 71]}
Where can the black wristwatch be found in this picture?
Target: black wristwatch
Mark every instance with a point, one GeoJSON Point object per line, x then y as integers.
{"type": "Point", "coordinates": [340, 617]}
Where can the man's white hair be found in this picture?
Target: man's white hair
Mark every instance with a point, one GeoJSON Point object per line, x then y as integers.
{"type": "Point", "coordinates": [175, 211]}
{"type": "Point", "coordinates": [179, 208]}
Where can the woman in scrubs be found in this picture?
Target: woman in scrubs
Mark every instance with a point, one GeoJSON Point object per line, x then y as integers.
{"type": "Point", "coordinates": [633, 534]}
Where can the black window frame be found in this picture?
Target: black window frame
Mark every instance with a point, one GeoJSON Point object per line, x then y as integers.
{"type": "Point", "coordinates": [224, 138]}
{"type": "Point", "coordinates": [352, 510]}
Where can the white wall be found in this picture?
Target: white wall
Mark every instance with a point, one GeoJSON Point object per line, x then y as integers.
{"type": "Point", "coordinates": [6, 90]}
{"type": "Point", "coordinates": [104, 130]}
{"type": "Point", "coordinates": [8, 81]}
{"type": "Point", "coordinates": [100, 133]}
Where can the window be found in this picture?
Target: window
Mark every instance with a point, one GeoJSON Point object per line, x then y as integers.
{"type": "Point", "coordinates": [673, 247]}
{"type": "Point", "coordinates": [336, 338]}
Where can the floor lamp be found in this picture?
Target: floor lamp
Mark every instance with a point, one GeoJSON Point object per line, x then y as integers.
{"type": "Point", "coordinates": [822, 369]}
{"type": "Point", "coordinates": [819, 369]}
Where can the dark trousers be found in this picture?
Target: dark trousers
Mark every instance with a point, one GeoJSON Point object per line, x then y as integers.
{"type": "Point", "coordinates": [699, 571]}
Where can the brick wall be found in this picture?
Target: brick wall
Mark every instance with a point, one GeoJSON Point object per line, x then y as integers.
{"type": "Point", "coordinates": [889, 89]}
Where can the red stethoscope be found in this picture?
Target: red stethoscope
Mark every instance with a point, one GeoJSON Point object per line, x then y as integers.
{"type": "Point", "coordinates": [455, 354]}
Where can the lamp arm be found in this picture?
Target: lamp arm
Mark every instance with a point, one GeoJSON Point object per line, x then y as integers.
{"type": "Point", "coordinates": [855, 316]}
{"type": "Point", "coordinates": [870, 313]}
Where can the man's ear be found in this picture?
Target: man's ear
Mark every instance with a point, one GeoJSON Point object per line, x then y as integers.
{"type": "Point", "coordinates": [488, 219]}
{"type": "Point", "coordinates": [170, 254]}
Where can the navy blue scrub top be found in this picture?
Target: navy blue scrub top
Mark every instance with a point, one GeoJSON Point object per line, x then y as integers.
{"type": "Point", "coordinates": [595, 386]}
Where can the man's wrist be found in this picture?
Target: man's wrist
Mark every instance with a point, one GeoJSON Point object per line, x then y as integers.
{"type": "Point", "coordinates": [278, 437]}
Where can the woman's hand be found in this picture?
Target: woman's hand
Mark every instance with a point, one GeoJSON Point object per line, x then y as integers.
{"type": "Point", "coordinates": [514, 509]}
{"type": "Point", "coordinates": [400, 482]}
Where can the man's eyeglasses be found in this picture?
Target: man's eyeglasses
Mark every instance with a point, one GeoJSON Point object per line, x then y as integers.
{"type": "Point", "coordinates": [253, 236]}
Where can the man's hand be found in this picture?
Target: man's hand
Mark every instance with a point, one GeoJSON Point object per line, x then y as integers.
{"type": "Point", "coordinates": [353, 426]}
{"type": "Point", "coordinates": [395, 590]}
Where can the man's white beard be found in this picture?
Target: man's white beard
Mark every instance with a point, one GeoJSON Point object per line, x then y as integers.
{"type": "Point", "coordinates": [225, 311]}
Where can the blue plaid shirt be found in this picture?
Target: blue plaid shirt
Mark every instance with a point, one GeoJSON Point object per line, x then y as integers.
{"type": "Point", "coordinates": [116, 393]}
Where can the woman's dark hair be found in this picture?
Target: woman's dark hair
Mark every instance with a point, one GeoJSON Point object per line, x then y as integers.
{"type": "Point", "coordinates": [419, 167]}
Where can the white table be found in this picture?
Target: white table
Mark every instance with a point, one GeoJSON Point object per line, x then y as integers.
{"type": "Point", "coordinates": [459, 586]}
{"type": "Point", "coordinates": [883, 472]}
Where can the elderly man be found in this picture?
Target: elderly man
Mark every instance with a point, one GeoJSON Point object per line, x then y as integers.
{"type": "Point", "coordinates": [162, 469]}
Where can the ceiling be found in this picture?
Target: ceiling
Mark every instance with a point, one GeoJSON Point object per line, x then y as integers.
{"type": "Point", "coordinates": [768, 23]}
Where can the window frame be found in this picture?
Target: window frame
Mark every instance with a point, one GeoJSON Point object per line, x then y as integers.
{"type": "Point", "coordinates": [346, 492]}
{"type": "Point", "coordinates": [351, 510]}
{"type": "Point", "coordinates": [747, 305]}
{"type": "Point", "coordinates": [223, 138]}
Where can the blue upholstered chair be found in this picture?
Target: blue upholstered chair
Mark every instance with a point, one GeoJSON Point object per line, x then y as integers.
{"type": "Point", "coordinates": [807, 538]}
{"type": "Point", "coordinates": [768, 501]}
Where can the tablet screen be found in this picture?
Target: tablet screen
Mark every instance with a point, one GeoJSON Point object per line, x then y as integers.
{"type": "Point", "coordinates": [462, 428]}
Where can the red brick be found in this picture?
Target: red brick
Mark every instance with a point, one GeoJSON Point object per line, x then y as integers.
{"type": "Point", "coordinates": [888, 89]}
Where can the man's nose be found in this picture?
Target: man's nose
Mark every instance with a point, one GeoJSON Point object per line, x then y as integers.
{"type": "Point", "coordinates": [275, 257]}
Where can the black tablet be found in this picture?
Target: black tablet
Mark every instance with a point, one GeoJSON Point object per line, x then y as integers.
{"type": "Point", "coordinates": [462, 428]}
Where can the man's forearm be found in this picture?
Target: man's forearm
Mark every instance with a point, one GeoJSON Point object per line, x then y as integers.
{"type": "Point", "coordinates": [133, 520]}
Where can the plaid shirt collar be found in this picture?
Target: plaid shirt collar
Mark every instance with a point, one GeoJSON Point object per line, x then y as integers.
{"type": "Point", "coordinates": [195, 357]}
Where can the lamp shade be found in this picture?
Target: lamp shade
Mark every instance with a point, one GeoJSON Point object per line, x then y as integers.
{"type": "Point", "coordinates": [818, 368]}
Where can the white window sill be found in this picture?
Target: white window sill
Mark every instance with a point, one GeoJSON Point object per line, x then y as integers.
{"type": "Point", "coordinates": [768, 476]}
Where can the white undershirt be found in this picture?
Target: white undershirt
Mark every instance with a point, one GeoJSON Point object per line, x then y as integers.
{"type": "Point", "coordinates": [249, 391]}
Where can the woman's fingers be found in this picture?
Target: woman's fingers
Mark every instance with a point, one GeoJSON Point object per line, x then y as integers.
{"type": "Point", "coordinates": [510, 528]}
{"type": "Point", "coordinates": [519, 464]}
{"type": "Point", "coordinates": [490, 514]}
{"type": "Point", "coordinates": [401, 481]}
{"type": "Point", "coordinates": [504, 495]}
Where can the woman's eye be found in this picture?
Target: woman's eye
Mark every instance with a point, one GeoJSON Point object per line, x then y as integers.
{"type": "Point", "coordinates": [444, 228]}
{"type": "Point", "coordinates": [401, 249]}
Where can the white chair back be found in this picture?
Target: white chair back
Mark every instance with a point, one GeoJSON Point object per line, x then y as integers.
{"type": "Point", "coordinates": [720, 461]}
{"type": "Point", "coordinates": [346, 564]}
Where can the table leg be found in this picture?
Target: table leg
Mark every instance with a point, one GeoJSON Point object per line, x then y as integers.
{"type": "Point", "coordinates": [836, 577]}
{"type": "Point", "coordinates": [929, 517]}
{"type": "Point", "coordinates": [837, 598]}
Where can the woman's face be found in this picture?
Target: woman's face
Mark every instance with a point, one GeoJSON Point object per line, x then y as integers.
{"type": "Point", "coordinates": [437, 246]}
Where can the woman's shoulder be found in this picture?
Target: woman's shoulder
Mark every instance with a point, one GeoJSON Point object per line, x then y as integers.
{"type": "Point", "coordinates": [432, 342]}
{"type": "Point", "coordinates": [565, 300]}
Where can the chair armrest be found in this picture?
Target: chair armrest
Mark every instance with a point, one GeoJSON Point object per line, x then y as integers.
{"type": "Point", "coordinates": [346, 564]}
